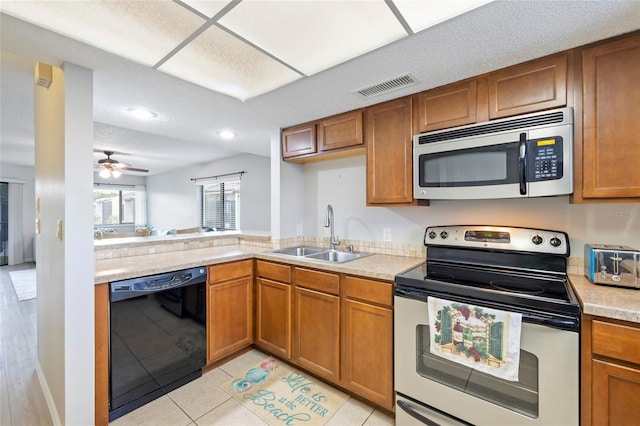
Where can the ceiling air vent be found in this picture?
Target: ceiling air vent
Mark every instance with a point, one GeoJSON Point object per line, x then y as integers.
{"type": "Point", "coordinates": [387, 86]}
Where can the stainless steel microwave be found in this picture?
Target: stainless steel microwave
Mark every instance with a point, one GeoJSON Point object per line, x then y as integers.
{"type": "Point", "coordinates": [524, 156]}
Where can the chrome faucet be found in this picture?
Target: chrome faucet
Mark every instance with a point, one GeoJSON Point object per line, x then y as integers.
{"type": "Point", "coordinates": [333, 241]}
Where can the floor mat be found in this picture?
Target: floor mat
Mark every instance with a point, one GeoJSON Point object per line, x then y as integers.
{"type": "Point", "coordinates": [24, 283]}
{"type": "Point", "coordinates": [282, 395]}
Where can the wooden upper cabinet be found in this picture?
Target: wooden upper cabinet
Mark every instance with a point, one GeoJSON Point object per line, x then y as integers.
{"type": "Point", "coordinates": [448, 106]}
{"type": "Point", "coordinates": [299, 140]}
{"type": "Point", "coordinates": [340, 131]}
{"type": "Point", "coordinates": [389, 152]}
{"type": "Point", "coordinates": [533, 86]}
{"type": "Point", "coordinates": [611, 119]}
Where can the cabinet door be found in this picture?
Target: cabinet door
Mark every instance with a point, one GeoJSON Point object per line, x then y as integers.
{"type": "Point", "coordinates": [368, 352]}
{"type": "Point", "coordinates": [448, 106]}
{"type": "Point", "coordinates": [389, 153]}
{"type": "Point", "coordinates": [611, 126]}
{"type": "Point", "coordinates": [529, 87]}
{"type": "Point", "coordinates": [317, 333]}
{"type": "Point", "coordinates": [230, 319]}
{"type": "Point", "coordinates": [340, 131]}
{"type": "Point", "coordinates": [273, 323]}
{"type": "Point", "coordinates": [299, 140]}
{"type": "Point", "coordinates": [616, 394]}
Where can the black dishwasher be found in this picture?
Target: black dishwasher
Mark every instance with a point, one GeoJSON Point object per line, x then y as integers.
{"type": "Point", "coordinates": [157, 336]}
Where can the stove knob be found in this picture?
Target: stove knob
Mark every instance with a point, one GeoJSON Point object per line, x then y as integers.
{"type": "Point", "coordinates": [555, 241]}
{"type": "Point", "coordinates": [444, 234]}
{"type": "Point", "coordinates": [537, 240]}
{"type": "Point", "coordinates": [432, 235]}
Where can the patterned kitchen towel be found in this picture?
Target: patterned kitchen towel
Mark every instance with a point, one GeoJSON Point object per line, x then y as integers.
{"type": "Point", "coordinates": [484, 339]}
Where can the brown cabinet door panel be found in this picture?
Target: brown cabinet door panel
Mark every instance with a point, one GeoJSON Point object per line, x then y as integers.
{"type": "Point", "coordinates": [299, 140]}
{"type": "Point", "coordinates": [317, 333]}
{"type": "Point", "coordinates": [616, 394]}
{"type": "Point", "coordinates": [368, 352]}
{"type": "Point", "coordinates": [448, 106]}
{"type": "Point", "coordinates": [390, 153]}
{"type": "Point", "coordinates": [340, 131]}
{"type": "Point", "coordinates": [611, 119]}
{"type": "Point", "coordinates": [529, 87]}
{"type": "Point", "coordinates": [273, 324]}
{"type": "Point", "coordinates": [230, 319]}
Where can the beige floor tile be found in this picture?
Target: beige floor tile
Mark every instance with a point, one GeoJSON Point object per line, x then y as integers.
{"type": "Point", "coordinates": [380, 419]}
{"type": "Point", "coordinates": [353, 412]}
{"type": "Point", "coordinates": [160, 412]}
{"type": "Point", "coordinates": [241, 364]}
{"type": "Point", "coordinates": [231, 413]}
{"type": "Point", "coordinates": [202, 395]}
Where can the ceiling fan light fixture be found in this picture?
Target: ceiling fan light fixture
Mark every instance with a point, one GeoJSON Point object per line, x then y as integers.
{"type": "Point", "coordinates": [116, 173]}
{"type": "Point", "coordinates": [141, 113]}
{"type": "Point", "coordinates": [227, 134]}
{"type": "Point", "coordinates": [105, 174]}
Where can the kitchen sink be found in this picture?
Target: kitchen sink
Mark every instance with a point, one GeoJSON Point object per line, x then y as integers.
{"type": "Point", "coordinates": [316, 253]}
{"type": "Point", "coordinates": [298, 251]}
{"type": "Point", "coordinates": [336, 256]}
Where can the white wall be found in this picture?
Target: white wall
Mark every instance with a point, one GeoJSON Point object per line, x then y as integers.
{"type": "Point", "coordinates": [65, 267]}
{"type": "Point", "coordinates": [172, 196]}
{"type": "Point", "coordinates": [342, 183]}
{"type": "Point", "coordinates": [27, 175]}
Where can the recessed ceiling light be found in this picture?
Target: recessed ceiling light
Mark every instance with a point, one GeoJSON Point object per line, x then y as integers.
{"type": "Point", "coordinates": [141, 113]}
{"type": "Point", "coordinates": [227, 134]}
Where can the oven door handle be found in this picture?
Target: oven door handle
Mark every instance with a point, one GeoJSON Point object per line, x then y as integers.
{"type": "Point", "coordinates": [410, 411]}
{"type": "Point", "coordinates": [571, 324]}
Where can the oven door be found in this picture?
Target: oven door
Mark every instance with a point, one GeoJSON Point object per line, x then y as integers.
{"type": "Point", "coordinates": [547, 392]}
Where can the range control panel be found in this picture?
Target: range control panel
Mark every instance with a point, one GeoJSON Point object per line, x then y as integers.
{"type": "Point", "coordinates": [498, 237]}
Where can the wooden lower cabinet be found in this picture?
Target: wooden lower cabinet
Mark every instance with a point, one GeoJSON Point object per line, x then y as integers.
{"type": "Point", "coordinates": [316, 333]}
{"type": "Point", "coordinates": [273, 313]}
{"type": "Point", "coordinates": [368, 351]}
{"type": "Point", "coordinates": [230, 308]}
{"type": "Point", "coordinates": [368, 339]}
{"type": "Point", "coordinates": [610, 372]}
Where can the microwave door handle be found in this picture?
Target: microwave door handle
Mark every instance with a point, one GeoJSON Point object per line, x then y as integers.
{"type": "Point", "coordinates": [522, 164]}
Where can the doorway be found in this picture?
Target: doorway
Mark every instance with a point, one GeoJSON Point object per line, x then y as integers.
{"type": "Point", "coordinates": [4, 223]}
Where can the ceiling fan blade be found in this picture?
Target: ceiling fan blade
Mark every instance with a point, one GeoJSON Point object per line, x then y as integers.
{"type": "Point", "coordinates": [134, 169]}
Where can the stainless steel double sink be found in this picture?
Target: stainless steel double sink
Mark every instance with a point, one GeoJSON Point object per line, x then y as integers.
{"type": "Point", "coordinates": [322, 254]}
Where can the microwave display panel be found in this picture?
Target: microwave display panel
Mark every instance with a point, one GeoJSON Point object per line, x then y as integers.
{"type": "Point", "coordinates": [545, 159]}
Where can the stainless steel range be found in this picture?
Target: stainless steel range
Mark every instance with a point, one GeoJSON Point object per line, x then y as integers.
{"type": "Point", "coordinates": [520, 271]}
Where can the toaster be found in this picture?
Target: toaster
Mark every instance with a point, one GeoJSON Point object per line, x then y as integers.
{"type": "Point", "coordinates": [612, 265]}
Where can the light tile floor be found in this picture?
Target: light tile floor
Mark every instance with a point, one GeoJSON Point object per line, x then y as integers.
{"type": "Point", "coordinates": [202, 402]}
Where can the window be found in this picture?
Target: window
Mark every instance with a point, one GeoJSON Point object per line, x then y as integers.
{"type": "Point", "coordinates": [220, 205]}
{"type": "Point", "coordinates": [116, 205]}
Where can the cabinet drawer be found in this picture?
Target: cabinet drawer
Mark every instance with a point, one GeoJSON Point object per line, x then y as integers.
{"type": "Point", "coordinates": [229, 271]}
{"type": "Point", "coordinates": [616, 341]}
{"type": "Point", "coordinates": [368, 290]}
{"type": "Point", "coordinates": [273, 271]}
{"type": "Point", "coordinates": [321, 281]}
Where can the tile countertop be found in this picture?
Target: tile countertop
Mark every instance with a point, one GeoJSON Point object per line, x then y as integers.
{"type": "Point", "coordinates": [378, 266]}
{"type": "Point", "coordinates": [607, 301]}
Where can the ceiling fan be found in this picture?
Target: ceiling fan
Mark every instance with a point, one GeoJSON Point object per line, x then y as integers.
{"type": "Point", "coordinates": [113, 168]}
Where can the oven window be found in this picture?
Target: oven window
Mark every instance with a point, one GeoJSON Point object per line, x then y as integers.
{"type": "Point", "coordinates": [520, 396]}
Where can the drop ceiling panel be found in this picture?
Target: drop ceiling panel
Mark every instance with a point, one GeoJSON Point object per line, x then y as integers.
{"type": "Point", "coordinates": [427, 13]}
{"type": "Point", "coordinates": [312, 36]}
{"type": "Point", "coordinates": [207, 7]}
{"type": "Point", "coordinates": [143, 31]}
{"type": "Point", "coordinates": [221, 62]}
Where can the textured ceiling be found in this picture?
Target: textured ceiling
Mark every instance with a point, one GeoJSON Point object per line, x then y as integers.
{"type": "Point", "coordinates": [492, 36]}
